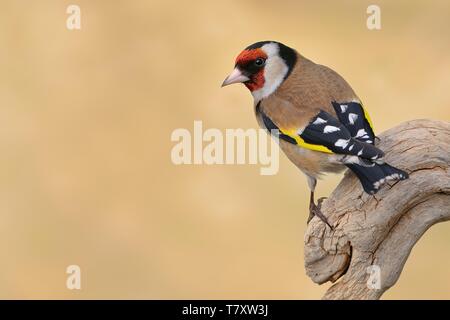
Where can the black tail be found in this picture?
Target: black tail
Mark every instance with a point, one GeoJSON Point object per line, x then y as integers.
{"type": "Point", "coordinates": [372, 178]}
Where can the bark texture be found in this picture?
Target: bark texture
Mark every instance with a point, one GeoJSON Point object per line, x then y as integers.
{"type": "Point", "coordinates": [377, 232]}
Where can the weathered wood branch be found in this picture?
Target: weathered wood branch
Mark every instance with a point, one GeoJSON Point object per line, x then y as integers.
{"type": "Point", "coordinates": [380, 230]}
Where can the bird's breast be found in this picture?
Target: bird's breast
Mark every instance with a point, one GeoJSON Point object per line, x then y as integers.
{"type": "Point", "coordinates": [313, 163]}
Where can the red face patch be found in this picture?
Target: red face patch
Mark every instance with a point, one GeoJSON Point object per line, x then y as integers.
{"type": "Point", "coordinates": [256, 82]}
{"type": "Point", "coordinates": [245, 62]}
{"type": "Point", "coordinates": [247, 56]}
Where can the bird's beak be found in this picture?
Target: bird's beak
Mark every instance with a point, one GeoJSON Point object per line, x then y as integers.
{"type": "Point", "coordinates": [235, 77]}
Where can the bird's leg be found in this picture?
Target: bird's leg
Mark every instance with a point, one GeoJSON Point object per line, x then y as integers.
{"type": "Point", "coordinates": [314, 210]}
{"type": "Point", "coordinates": [311, 207]}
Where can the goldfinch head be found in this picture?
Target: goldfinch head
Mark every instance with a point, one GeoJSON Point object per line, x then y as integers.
{"type": "Point", "coordinates": [262, 67]}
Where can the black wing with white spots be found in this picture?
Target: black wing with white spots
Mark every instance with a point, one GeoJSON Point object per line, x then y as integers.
{"type": "Point", "coordinates": [371, 170]}
{"type": "Point", "coordinates": [356, 120]}
{"type": "Point", "coordinates": [333, 136]}
{"type": "Point", "coordinates": [327, 131]}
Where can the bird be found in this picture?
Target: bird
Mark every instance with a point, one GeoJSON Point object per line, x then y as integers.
{"type": "Point", "coordinates": [319, 121]}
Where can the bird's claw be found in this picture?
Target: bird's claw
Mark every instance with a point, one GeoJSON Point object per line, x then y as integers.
{"type": "Point", "coordinates": [319, 202]}
{"type": "Point", "coordinates": [311, 215]}
{"type": "Point", "coordinates": [314, 210]}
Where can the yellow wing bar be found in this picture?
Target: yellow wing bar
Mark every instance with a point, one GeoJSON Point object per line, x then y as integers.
{"type": "Point", "coordinates": [301, 143]}
{"type": "Point", "coordinates": [366, 115]}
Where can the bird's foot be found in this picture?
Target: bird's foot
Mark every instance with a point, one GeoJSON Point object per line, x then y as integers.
{"type": "Point", "coordinates": [311, 215]}
{"type": "Point", "coordinates": [319, 202]}
{"type": "Point", "coordinates": [314, 210]}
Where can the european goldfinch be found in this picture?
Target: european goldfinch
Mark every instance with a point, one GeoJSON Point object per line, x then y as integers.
{"type": "Point", "coordinates": [319, 120]}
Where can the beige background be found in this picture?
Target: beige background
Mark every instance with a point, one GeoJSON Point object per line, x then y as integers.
{"type": "Point", "coordinates": [85, 124]}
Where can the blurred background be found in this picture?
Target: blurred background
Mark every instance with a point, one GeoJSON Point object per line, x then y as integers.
{"type": "Point", "coordinates": [85, 124]}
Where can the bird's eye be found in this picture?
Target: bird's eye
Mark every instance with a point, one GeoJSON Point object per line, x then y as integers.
{"type": "Point", "coordinates": [259, 62]}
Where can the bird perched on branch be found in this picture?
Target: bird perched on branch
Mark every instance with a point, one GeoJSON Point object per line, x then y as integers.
{"type": "Point", "coordinates": [321, 124]}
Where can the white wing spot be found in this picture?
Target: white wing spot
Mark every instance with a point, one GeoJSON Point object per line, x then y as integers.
{"type": "Point", "coordinates": [361, 133]}
{"type": "Point", "coordinates": [319, 121]}
{"type": "Point", "coordinates": [351, 159]}
{"type": "Point", "coordinates": [342, 143]}
{"type": "Point", "coordinates": [394, 176]}
{"type": "Point", "coordinates": [330, 129]}
{"type": "Point", "coordinates": [351, 147]}
{"type": "Point", "coordinates": [378, 184]}
{"type": "Point", "coordinates": [360, 152]}
{"type": "Point", "coordinates": [344, 108]}
{"type": "Point", "coordinates": [352, 117]}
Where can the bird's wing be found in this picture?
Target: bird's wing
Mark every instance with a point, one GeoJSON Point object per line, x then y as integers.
{"type": "Point", "coordinates": [356, 119]}
{"type": "Point", "coordinates": [325, 133]}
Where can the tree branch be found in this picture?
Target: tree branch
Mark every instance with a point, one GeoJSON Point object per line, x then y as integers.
{"type": "Point", "coordinates": [380, 230]}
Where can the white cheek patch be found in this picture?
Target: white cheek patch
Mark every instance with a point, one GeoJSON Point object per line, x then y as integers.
{"type": "Point", "coordinates": [274, 72]}
{"type": "Point", "coordinates": [271, 49]}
